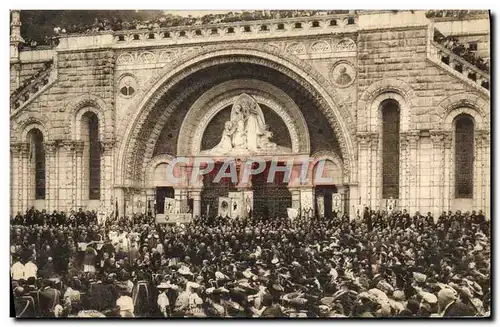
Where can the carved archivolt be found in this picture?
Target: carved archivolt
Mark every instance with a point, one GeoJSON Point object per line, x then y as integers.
{"type": "Point", "coordinates": [296, 48]}
{"type": "Point", "coordinates": [221, 96]}
{"type": "Point", "coordinates": [125, 59]}
{"type": "Point", "coordinates": [27, 121]}
{"type": "Point", "coordinates": [146, 57]}
{"type": "Point", "coordinates": [345, 45]}
{"type": "Point", "coordinates": [320, 46]}
{"type": "Point", "coordinates": [77, 107]}
{"type": "Point", "coordinates": [151, 166]}
{"type": "Point", "coordinates": [391, 88]}
{"type": "Point", "coordinates": [471, 104]}
{"type": "Point", "coordinates": [322, 91]}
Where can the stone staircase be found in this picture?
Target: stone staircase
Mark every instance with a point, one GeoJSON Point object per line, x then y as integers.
{"type": "Point", "coordinates": [458, 66]}
{"type": "Point", "coordinates": [33, 87]}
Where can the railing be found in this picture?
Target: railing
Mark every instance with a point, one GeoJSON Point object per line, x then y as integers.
{"type": "Point", "coordinates": [459, 65]}
{"type": "Point", "coordinates": [31, 86]}
{"type": "Point", "coordinates": [238, 29]}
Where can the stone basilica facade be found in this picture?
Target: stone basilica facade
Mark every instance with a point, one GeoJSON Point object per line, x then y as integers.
{"type": "Point", "coordinates": [394, 114]}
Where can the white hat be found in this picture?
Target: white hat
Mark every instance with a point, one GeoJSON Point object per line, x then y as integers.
{"type": "Point", "coordinates": [429, 297]}
{"type": "Point", "coordinates": [184, 270]}
{"type": "Point", "coordinates": [248, 273]}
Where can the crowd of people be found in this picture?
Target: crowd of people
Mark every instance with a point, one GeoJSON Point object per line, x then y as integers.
{"type": "Point", "coordinates": [460, 14]}
{"type": "Point", "coordinates": [375, 265]}
{"type": "Point", "coordinates": [170, 20]}
{"type": "Point", "coordinates": [465, 51]}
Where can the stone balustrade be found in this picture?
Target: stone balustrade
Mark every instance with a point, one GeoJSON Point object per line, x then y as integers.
{"type": "Point", "coordinates": [25, 93]}
{"type": "Point", "coordinates": [243, 29]}
{"type": "Point", "coordinates": [459, 66]}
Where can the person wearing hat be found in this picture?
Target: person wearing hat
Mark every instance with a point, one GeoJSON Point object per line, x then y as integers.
{"type": "Point", "coordinates": [125, 303]}
{"type": "Point", "coordinates": [163, 300]}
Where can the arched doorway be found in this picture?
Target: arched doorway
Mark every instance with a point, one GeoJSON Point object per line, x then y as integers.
{"type": "Point", "coordinates": [327, 181]}
{"type": "Point", "coordinates": [271, 196]}
{"type": "Point", "coordinates": [172, 97]}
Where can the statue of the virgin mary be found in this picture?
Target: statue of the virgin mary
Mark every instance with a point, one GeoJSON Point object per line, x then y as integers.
{"type": "Point", "coordinates": [246, 131]}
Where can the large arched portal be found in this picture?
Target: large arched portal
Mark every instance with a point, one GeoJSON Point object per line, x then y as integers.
{"type": "Point", "coordinates": [185, 111]}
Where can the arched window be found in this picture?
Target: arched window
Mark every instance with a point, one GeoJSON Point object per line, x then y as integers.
{"type": "Point", "coordinates": [37, 158]}
{"type": "Point", "coordinates": [93, 149]}
{"type": "Point", "coordinates": [464, 156]}
{"type": "Point", "coordinates": [390, 149]}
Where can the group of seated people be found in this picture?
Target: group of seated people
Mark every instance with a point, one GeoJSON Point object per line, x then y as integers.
{"type": "Point", "coordinates": [377, 264]}
{"type": "Point", "coordinates": [462, 50]}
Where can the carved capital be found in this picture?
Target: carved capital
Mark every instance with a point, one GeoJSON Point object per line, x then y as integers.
{"type": "Point", "coordinates": [437, 138]}
{"type": "Point", "coordinates": [107, 145]}
{"type": "Point", "coordinates": [19, 148]}
{"type": "Point", "coordinates": [51, 147]}
{"type": "Point", "coordinates": [447, 139]}
{"type": "Point", "coordinates": [366, 139]}
{"type": "Point", "coordinates": [411, 138]}
{"type": "Point", "coordinates": [69, 145]}
{"type": "Point", "coordinates": [78, 147]}
{"type": "Point", "coordinates": [482, 138]}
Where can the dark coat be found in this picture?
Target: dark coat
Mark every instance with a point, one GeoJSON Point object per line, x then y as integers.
{"type": "Point", "coordinates": [458, 309]}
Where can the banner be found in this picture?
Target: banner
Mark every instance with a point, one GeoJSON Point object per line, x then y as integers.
{"type": "Point", "coordinates": [320, 203]}
{"type": "Point", "coordinates": [179, 218]}
{"type": "Point", "coordinates": [247, 202]}
{"type": "Point", "coordinates": [224, 206]}
{"type": "Point", "coordinates": [337, 202]}
{"type": "Point", "coordinates": [391, 205]}
{"type": "Point", "coordinates": [235, 208]}
{"type": "Point", "coordinates": [292, 213]}
{"type": "Point", "coordinates": [169, 206]}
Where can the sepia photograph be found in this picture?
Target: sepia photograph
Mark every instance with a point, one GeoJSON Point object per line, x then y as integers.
{"type": "Point", "coordinates": [259, 164]}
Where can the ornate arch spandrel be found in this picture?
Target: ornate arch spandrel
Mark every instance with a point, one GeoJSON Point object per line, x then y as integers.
{"type": "Point", "coordinates": [321, 89]}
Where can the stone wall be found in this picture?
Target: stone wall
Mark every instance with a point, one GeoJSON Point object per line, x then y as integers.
{"type": "Point", "coordinates": [395, 61]}
{"type": "Point", "coordinates": [390, 63]}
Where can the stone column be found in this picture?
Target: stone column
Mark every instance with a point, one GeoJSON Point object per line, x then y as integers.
{"type": "Point", "coordinates": [27, 178]}
{"type": "Point", "coordinates": [448, 179]}
{"type": "Point", "coordinates": [364, 154]}
{"type": "Point", "coordinates": [196, 196]}
{"type": "Point", "coordinates": [106, 184]}
{"type": "Point", "coordinates": [413, 178]}
{"type": "Point", "coordinates": [404, 172]}
{"type": "Point", "coordinates": [375, 161]}
{"type": "Point", "coordinates": [68, 180]}
{"type": "Point", "coordinates": [150, 198]}
{"type": "Point", "coordinates": [478, 170]}
{"type": "Point", "coordinates": [16, 168]}
{"type": "Point", "coordinates": [354, 201]}
{"type": "Point", "coordinates": [486, 173]}
{"type": "Point", "coordinates": [482, 171]}
{"type": "Point", "coordinates": [51, 176]}
{"type": "Point", "coordinates": [295, 197]}
{"type": "Point", "coordinates": [79, 174]}
{"type": "Point", "coordinates": [342, 190]}
{"type": "Point", "coordinates": [437, 174]}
